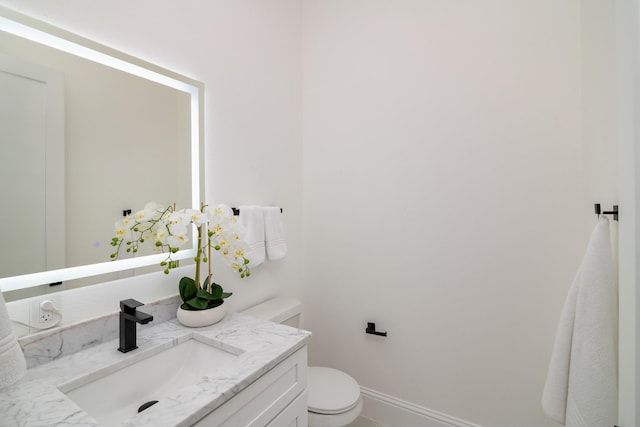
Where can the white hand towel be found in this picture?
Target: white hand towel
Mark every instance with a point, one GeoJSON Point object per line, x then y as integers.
{"type": "Point", "coordinates": [12, 363]}
{"type": "Point", "coordinates": [274, 233]}
{"type": "Point", "coordinates": [252, 219]}
{"type": "Point", "coordinates": [581, 388]}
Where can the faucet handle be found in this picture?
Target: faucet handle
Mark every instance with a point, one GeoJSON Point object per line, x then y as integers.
{"type": "Point", "coordinates": [129, 305]}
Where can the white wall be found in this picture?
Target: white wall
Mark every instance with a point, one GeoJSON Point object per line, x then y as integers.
{"type": "Point", "coordinates": [447, 193]}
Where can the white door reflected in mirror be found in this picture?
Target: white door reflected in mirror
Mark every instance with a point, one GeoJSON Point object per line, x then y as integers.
{"type": "Point", "coordinates": [32, 135]}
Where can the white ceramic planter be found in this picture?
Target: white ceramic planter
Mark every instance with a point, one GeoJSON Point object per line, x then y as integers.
{"type": "Point", "coordinates": [199, 318]}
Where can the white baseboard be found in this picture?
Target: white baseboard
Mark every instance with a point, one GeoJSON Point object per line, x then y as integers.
{"type": "Point", "coordinates": [394, 412]}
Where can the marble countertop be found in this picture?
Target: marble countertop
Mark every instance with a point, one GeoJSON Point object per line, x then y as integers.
{"type": "Point", "coordinates": [36, 399]}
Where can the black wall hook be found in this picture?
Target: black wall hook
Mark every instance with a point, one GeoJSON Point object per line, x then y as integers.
{"type": "Point", "coordinates": [614, 212]}
{"type": "Point", "coordinates": [371, 329]}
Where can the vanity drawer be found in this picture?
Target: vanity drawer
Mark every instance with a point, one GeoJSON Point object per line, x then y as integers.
{"type": "Point", "coordinates": [263, 401]}
{"type": "Point", "coordinates": [294, 415]}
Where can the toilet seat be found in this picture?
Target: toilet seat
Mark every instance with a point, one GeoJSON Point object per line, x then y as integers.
{"type": "Point", "coordinates": [331, 391]}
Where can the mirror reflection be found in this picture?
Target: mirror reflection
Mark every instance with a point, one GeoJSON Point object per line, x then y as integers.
{"type": "Point", "coordinates": [115, 140]}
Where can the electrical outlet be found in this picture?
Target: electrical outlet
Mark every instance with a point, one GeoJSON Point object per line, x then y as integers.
{"type": "Point", "coordinates": [45, 316]}
{"type": "Point", "coordinates": [44, 311]}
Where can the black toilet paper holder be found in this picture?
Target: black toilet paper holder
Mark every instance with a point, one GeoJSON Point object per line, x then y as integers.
{"type": "Point", "coordinates": [371, 329]}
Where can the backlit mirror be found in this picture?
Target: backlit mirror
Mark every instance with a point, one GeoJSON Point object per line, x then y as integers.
{"type": "Point", "coordinates": [87, 133]}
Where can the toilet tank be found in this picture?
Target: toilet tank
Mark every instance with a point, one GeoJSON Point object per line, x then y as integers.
{"type": "Point", "coordinates": [285, 310]}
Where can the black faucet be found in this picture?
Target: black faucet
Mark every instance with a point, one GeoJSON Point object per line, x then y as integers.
{"type": "Point", "coordinates": [128, 319]}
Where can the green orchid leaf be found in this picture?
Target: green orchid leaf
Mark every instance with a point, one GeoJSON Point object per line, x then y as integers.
{"type": "Point", "coordinates": [206, 295]}
{"type": "Point", "coordinates": [197, 303]}
{"type": "Point", "coordinates": [217, 290]}
{"type": "Point", "coordinates": [187, 288]}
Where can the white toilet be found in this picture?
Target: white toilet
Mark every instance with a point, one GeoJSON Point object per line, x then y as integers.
{"type": "Point", "coordinates": [334, 397]}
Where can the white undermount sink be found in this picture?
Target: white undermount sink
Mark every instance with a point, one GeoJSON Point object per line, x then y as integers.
{"type": "Point", "coordinates": [117, 395]}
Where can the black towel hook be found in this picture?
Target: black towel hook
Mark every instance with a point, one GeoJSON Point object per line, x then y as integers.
{"type": "Point", "coordinates": [614, 212]}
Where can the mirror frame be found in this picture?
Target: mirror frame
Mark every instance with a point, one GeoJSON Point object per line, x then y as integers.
{"type": "Point", "coordinates": [49, 35]}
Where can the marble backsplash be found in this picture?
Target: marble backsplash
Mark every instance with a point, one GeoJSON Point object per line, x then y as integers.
{"type": "Point", "coordinates": [52, 344]}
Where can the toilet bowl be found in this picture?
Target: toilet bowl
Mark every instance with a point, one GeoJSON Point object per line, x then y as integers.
{"type": "Point", "coordinates": [333, 396]}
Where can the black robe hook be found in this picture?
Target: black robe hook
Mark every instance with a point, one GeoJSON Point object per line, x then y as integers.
{"type": "Point", "coordinates": [614, 212]}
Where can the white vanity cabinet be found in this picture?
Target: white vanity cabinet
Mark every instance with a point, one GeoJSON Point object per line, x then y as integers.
{"type": "Point", "coordinates": [276, 399]}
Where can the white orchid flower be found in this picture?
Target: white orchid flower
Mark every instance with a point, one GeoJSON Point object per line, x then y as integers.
{"type": "Point", "coordinates": [151, 211]}
{"type": "Point", "coordinates": [178, 218]}
{"type": "Point", "coordinates": [123, 228]}
{"type": "Point", "coordinates": [217, 229]}
{"type": "Point", "coordinates": [177, 240]}
{"type": "Point", "coordinates": [196, 217]}
{"type": "Point", "coordinates": [160, 234]}
{"type": "Point", "coordinates": [142, 215]}
{"type": "Point", "coordinates": [178, 228]}
{"type": "Point", "coordinates": [221, 211]}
